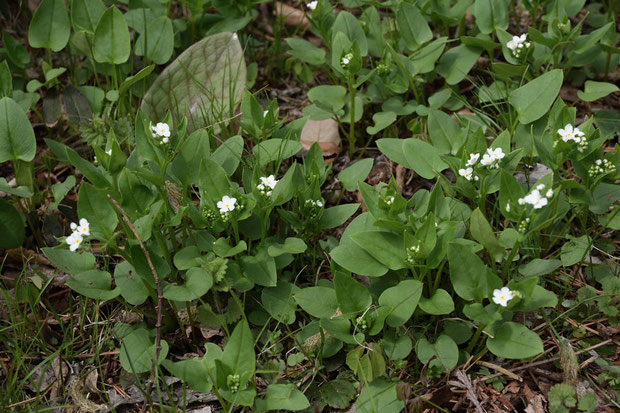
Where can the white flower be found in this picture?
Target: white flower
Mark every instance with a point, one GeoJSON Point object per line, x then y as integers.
{"type": "Point", "coordinates": [389, 200]}
{"type": "Point", "coordinates": [269, 181]}
{"type": "Point", "coordinates": [521, 201]}
{"type": "Point", "coordinates": [74, 240]}
{"type": "Point", "coordinates": [487, 160]}
{"type": "Point", "coordinates": [265, 112]}
{"type": "Point", "coordinates": [227, 204]}
{"type": "Point", "coordinates": [473, 158]}
{"type": "Point", "coordinates": [549, 193]}
{"type": "Point", "coordinates": [501, 297]}
{"type": "Point", "coordinates": [511, 45]}
{"type": "Point", "coordinates": [517, 44]}
{"type": "Point", "coordinates": [599, 161]}
{"type": "Point", "coordinates": [507, 207]}
{"type": "Point", "coordinates": [345, 61]}
{"type": "Point", "coordinates": [569, 133]}
{"type": "Point", "coordinates": [260, 187]}
{"type": "Point", "coordinates": [319, 203]}
{"type": "Point", "coordinates": [109, 152]}
{"type": "Point", "coordinates": [540, 187]}
{"type": "Point", "coordinates": [234, 36]}
{"type": "Point", "coordinates": [165, 140]}
{"type": "Point", "coordinates": [496, 153]}
{"type": "Point", "coordinates": [312, 5]}
{"type": "Point", "coordinates": [83, 228]}
{"type": "Point", "coordinates": [466, 173]}
{"type": "Point", "coordinates": [161, 130]}
{"type": "Point", "coordinates": [536, 199]}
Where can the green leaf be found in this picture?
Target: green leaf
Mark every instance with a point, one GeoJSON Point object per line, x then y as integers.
{"type": "Point", "coordinates": [283, 397]}
{"type": "Point", "coordinates": [353, 297]}
{"type": "Point", "coordinates": [396, 347]}
{"type": "Point", "coordinates": [328, 97]}
{"type": "Point", "coordinates": [440, 303]}
{"type": "Point", "coordinates": [357, 260]}
{"type": "Point", "coordinates": [596, 90]}
{"type": "Point", "coordinates": [403, 300]}
{"type": "Point", "coordinates": [423, 158]}
{"type": "Point", "coordinates": [426, 57]}
{"type": "Point", "coordinates": [533, 100]}
{"type": "Point", "coordinates": [412, 26]}
{"type": "Point", "coordinates": [228, 155]}
{"type": "Point", "coordinates": [131, 80]}
{"type": "Point", "coordinates": [11, 226]}
{"type": "Point", "coordinates": [338, 393]}
{"type": "Point", "coordinates": [17, 139]}
{"type": "Point", "coordinates": [444, 351]}
{"type": "Point", "coordinates": [336, 216]}
{"type": "Point", "coordinates": [238, 357]}
{"type": "Point", "coordinates": [213, 181]}
{"type": "Point", "coordinates": [456, 63]}
{"type": "Point", "coordinates": [21, 191]}
{"type": "Point", "coordinates": [260, 268]}
{"type": "Point", "coordinates": [187, 258]}
{"type": "Point", "coordinates": [305, 51]}
{"type": "Point", "coordinates": [386, 247]}
{"type": "Point", "coordinates": [131, 285]}
{"type": "Point", "coordinates": [15, 51]}
{"type": "Point", "coordinates": [95, 207]}
{"type": "Point", "coordinates": [112, 43]}
{"type": "Point", "coordinates": [491, 15]}
{"type": "Point", "coordinates": [291, 245]}
{"type": "Point", "coordinates": [6, 80]}
{"type": "Point", "coordinates": [443, 131]}
{"type": "Point", "coordinates": [85, 14]}
{"type": "Point", "coordinates": [275, 150]}
{"type": "Point", "coordinates": [349, 25]}
{"type": "Point", "coordinates": [204, 83]}
{"type": "Point", "coordinates": [93, 284]}
{"type": "Point", "coordinates": [222, 248]}
{"type": "Point", "coordinates": [157, 41]}
{"type": "Point", "coordinates": [468, 273]}
{"type": "Point", "coordinates": [69, 261]}
{"type": "Point", "coordinates": [50, 27]}
{"type": "Point", "coordinates": [319, 302]}
{"type": "Point", "coordinates": [194, 372]}
{"type": "Point", "coordinates": [197, 283]}
{"type": "Point", "coordinates": [382, 120]}
{"type": "Point", "coordinates": [394, 149]}
{"type": "Point", "coordinates": [575, 249]}
{"type": "Point", "coordinates": [379, 396]}
{"type": "Point", "coordinates": [514, 341]}
{"type": "Point", "coordinates": [138, 351]}
{"type": "Point", "coordinates": [538, 267]}
{"type": "Point", "coordinates": [482, 232]}
{"type": "Point", "coordinates": [279, 303]}
{"type": "Point", "coordinates": [354, 173]}
{"type": "Point", "coordinates": [186, 165]}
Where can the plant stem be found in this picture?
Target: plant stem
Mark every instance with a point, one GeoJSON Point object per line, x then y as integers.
{"type": "Point", "coordinates": [351, 118]}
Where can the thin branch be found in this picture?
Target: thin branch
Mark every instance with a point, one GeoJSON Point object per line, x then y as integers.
{"type": "Point", "coordinates": [160, 296]}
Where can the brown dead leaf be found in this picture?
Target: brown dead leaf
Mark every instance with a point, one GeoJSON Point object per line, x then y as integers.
{"type": "Point", "coordinates": [326, 134]}
{"type": "Point", "coordinates": [291, 16]}
{"type": "Point", "coordinates": [536, 405]}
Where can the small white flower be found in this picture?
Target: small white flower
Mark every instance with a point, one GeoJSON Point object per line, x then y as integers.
{"type": "Point", "coordinates": [466, 173]}
{"type": "Point", "coordinates": [227, 204]}
{"type": "Point", "coordinates": [473, 158]}
{"type": "Point", "coordinates": [109, 152]}
{"type": "Point", "coordinates": [74, 241]}
{"type": "Point", "coordinates": [265, 113]}
{"type": "Point", "coordinates": [83, 228]}
{"type": "Point", "coordinates": [536, 199]}
{"type": "Point", "coordinates": [521, 201]}
{"type": "Point", "coordinates": [487, 160]}
{"type": "Point", "coordinates": [502, 296]}
{"type": "Point", "coordinates": [234, 36]}
{"type": "Point", "coordinates": [319, 203]}
{"type": "Point", "coordinates": [496, 153]}
{"type": "Point", "coordinates": [269, 181]}
{"type": "Point", "coordinates": [389, 200]}
{"type": "Point", "coordinates": [599, 161]}
{"type": "Point", "coordinates": [161, 129]}
{"type": "Point", "coordinates": [511, 45]}
{"type": "Point", "coordinates": [345, 61]}
{"type": "Point", "coordinates": [165, 140]}
{"type": "Point", "coordinates": [312, 5]}
{"type": "Point", "coordinates": [549, 193]}
{"type": "Point", "coordinates": [540, 187]}
{"type": "Point", "coordinates": [507, 207]}
{"type": "Point", "coordinates": [569, 133]}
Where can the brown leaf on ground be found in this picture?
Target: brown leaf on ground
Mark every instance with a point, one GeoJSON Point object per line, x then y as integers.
{"type": "Point", "coordinates": [291, 16]}
{"type": "Point", "coordinates": [326, 134]}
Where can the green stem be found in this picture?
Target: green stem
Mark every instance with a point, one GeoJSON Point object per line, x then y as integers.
{"type": "Point", "coordinates": [475, 338]}
{"type": "Point", "coordinates": [352, 117]}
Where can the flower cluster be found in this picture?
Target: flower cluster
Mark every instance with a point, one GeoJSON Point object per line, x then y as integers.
{"type": "Point", "coordinates": [411, 252]}
{"type": "Point", "coordinates": [346, 59]}
{"type": "Point", "coordinates": [232, 380]}
{"type": "Point", "coordinates": [108, 152]}
{"type": "Point", "coordinates": [536, 197]}
{"type": "Point", "coordinates": [361, 324]}
{"type": "Point", "coordinates": [492, 157]}
{"type": "Point", "coordinates": [601, 166]}
{"type": "Point", "coordinates": [523, 225]}
{"type": "Point", "coordinates": [502, 296]}
{"type": "Point", "coordinates": [267, 185]}
{"type": "Point", "coordinates": [389, 200]}
{"type": "Point", "coordinates": [79, 232]}
{"type": "Point", "coordinates": [312, 5]}
{"type": "Point", "coordinates": [570, 133]}
{"type": "Point", "coordinates": [312, 203]}
{"type": "Point", "coordinates": [518, 44]}
{"type": "Point", "coordinates": [161, 131]}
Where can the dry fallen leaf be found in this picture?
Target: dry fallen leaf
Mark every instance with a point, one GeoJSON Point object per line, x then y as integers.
{"type": "Point", "coordinates": [291, 16]}
{"type": "Point", "coordinates": [326, 134]}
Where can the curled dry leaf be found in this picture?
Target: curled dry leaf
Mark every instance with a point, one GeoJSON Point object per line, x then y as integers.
{"type": "Point", "coordinates": [291, 16]}
{"type": "Point", "coordinates": [326, 134]}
